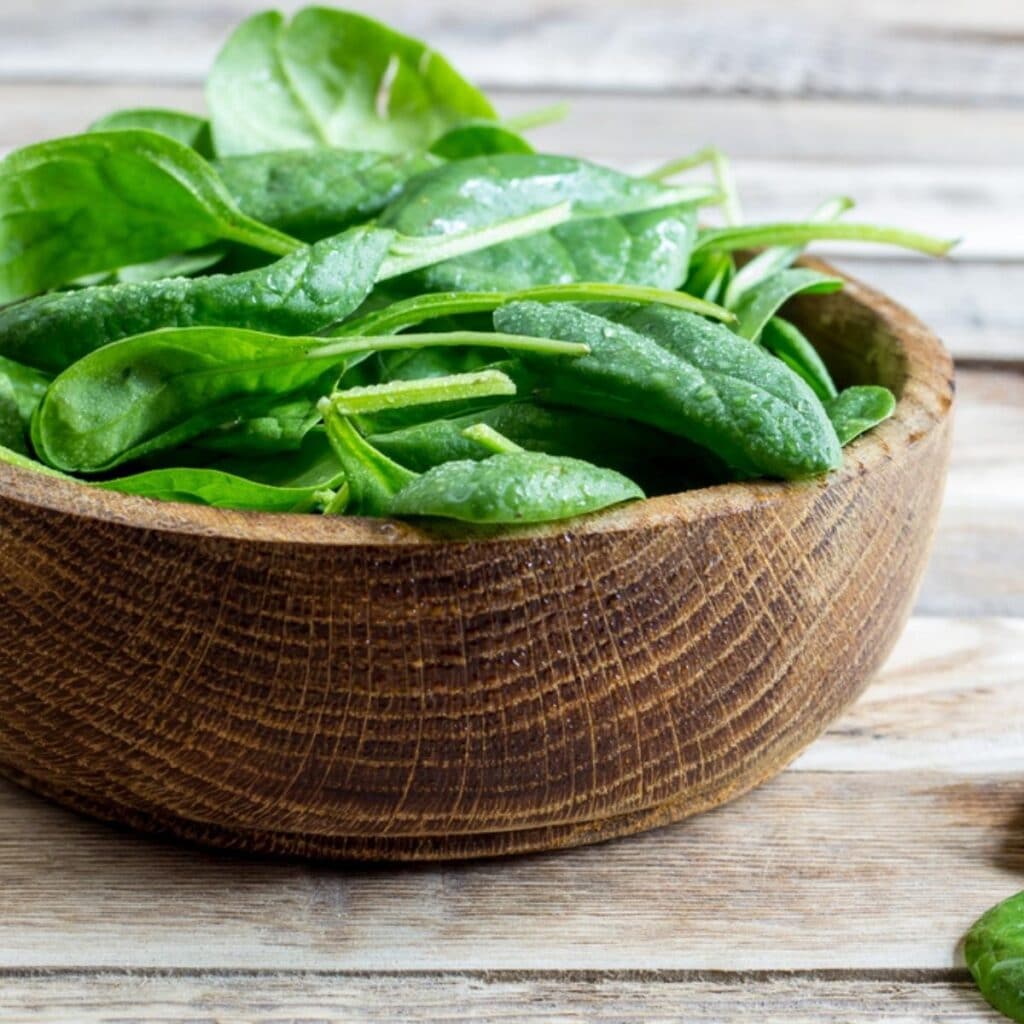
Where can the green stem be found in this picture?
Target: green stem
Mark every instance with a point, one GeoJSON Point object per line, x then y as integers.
{"type": "Point", "coordinates": [265, 238]}
{"type": "Point", "coordinates": [398, 394]}
{"type": "Point", "coordinates": [491, 439]}
{"type": "Point", "coordinates": [722, 170]}
{"type": "Point", "coordinates": [420, 308]}
{"type": "Point", "coordinates": [757, 235]}
{"type": "Point", "coordinates": [537, 118]}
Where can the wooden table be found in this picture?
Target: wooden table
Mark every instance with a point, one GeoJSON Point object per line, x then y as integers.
{"type": "Point", "coordinates": [839, 891]}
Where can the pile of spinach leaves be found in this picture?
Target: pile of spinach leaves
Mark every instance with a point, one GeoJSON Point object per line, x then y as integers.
{"type": "Point", "coordinates": [353, 287]}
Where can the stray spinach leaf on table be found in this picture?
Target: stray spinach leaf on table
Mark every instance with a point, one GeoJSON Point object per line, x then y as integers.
{"type": "Point", "coordinates": [994, 951]}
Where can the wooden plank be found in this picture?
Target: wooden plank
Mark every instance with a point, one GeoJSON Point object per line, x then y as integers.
{"type": "Point", "coordinates": [904, 51]}
{"type": "Point", "coordinates": [948, 696]}
{"type": "Point", "coordinates": [948, 998]}
{"type": "Point", "coordinates": [977, 565]}
{"type": "Point", "coordinates": [815, 870]}
{"type": "Point", "coordinates": [627, 129]}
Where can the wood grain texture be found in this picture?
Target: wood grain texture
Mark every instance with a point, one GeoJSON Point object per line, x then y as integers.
{"type": "Point", "coordinates": [569, 998]}
{"type": "Point", "coordinates": [362, 688]}
{"type": "Point", "coordinates": [815, 870]}
{"type": "Point", "coordinates": [953, 52]}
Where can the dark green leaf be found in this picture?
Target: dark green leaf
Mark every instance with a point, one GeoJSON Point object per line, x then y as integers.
{"type": "Point", "coordinates": [857, 409]}
{"type": "Point", "coordinates": [517, 487]}
{"type": "Point", "coordinates": [788, 343]}
{"type": "Point", "coordinates": [479, 138]}
{"type": "Point", "coordinates": [99, 201]}
{"type": "Point", "coordinates": [313, 193]}
{"type": "Point", "coordinates": [155, 391]}
{"type": "Point", "coordinates": [994, 951]}
{"type": "Point", "coordinates": [760, 303]}
{"type": "Point", "coordinates": [687, 376]}
{"type": "Point", "coordinates": [188, 129]}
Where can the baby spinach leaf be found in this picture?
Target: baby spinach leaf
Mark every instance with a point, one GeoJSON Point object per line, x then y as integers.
{"type": "Point", "coordinates": [856, 410]}
{"type": "Point", "coordinates": [478, 138]}
{"type": "Point", "coordinates": [313, 193]}
{"type": "Point", "coordinates": [12, 427]}
{"type": "Point", "coordinates": [155, 391]}
{"type": "Point", "coordinates": [481, 191]}
{"type": "Point", "coordinates": [188, 129]}
{"type": "Point", "coordinates": [650, 248]}
{"type": "Point", "coordinates": [282, 428]}
{"type": "Point", "coordinates": [687, 376]}
{"type": "Point", "coordinates": [760, 303]}
{"type": "Point", "coordinates": [333, 78]}
{"type": "Point", "coordinates": [301, 293]}
{"type": "Point", "coordinates": [788, 343]}
{"type": "Point", "coordinates": [994, 951]}
{"type": "Point", "coordinates": [94, 202]}
{"type": "Point", "coordinates": [291, 483]}
{"type": "Point", "coordinates": [513, 487]}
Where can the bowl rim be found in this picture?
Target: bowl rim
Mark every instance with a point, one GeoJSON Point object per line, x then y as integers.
{"type": "Point", "coordinates": [925, 402]}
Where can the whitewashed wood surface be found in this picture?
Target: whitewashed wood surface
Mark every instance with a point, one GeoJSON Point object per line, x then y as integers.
{"type": "Point", "coordinates": [839, 891]}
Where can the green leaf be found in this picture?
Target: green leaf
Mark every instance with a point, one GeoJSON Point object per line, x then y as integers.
{"type": "Point", "coordinates": [96, 202]}
{"type": "Point", "coordinates": [650, 249]}
{"type": "Point", "coordinates": [856, 410]}
{"type": "Point", "coordinates": [313, 193]}
{"type": "Point", "coordinates": [514, 487]}
{"type": "Point", "coordinates": [299, 294]}
{"type": "Point", "coordinates": [333, 78]}
{"type": "Point", "coordinates": [155, 391]}
{"type": "Point", "coordinates": [994, 951]}
{"type": "Point", "coordinates": [188, 129]}
{"type": "Point", "coordinates": [478, 138]}
{"type": "Point", "coordinates": [687, 376]}
{"type": "Point", "coordinates": [788, 343]}
{"type": "Point", "coordinates": [760, 303]}
{"type": "Point", "coordinates": [291, 483]}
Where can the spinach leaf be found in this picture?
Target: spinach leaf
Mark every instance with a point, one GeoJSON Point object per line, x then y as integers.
{"type": "Point", "coordinates": [481, 191]}
{"type": "Point", "coordinates": [684, 375]}
{"type": "Point", "coordinates": [856, 410]}
{"type": "Point", "coordinates": [155, 391]}
{"type": "Point", "coordinates": [12, 427]}
{"type": "Point", "coordinates": [789, 344]}
{"type": "Point", "coordinates": [95, 202]}
{"type": "Point", "coordinates": [313, 193]}
{"type": "Point", "coordinates": [478, 138]}
{"type": "Point", "coordinates": [301, 293]}
{"type": "Point", "coordinates": [650, 248]}
{"type": "Point", "coordinates": [513, 487]}
{"type": "Point", "coordinates": [333, 78]}
{"type": "Point", "coordinates": [188, 129]}
{"type": "Point", "coordinates": [759, 304]}
{"type": "Point", "coordinates": [994, 951]}
{"type": "Point", "coordinates": [297, 482]}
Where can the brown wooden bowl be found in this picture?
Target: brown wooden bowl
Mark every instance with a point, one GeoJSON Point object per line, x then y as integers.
{"type": "Point", "coordinates": [371, 689]}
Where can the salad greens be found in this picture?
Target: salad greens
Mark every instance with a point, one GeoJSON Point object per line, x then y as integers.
{"type": "Point", "coordinates": [994, 951]}
{"type": "Point", "coordinates": [353, 288]}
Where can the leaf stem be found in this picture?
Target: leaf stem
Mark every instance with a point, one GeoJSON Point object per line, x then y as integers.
{"type": "Point", "coordinates": [784, 233]}
{"type": "Point", "coordinates": [399, 394]}
{"type": "Point", "coordinates": [538, 118]}
{"type": "Point", "coordinates": [420, 308]}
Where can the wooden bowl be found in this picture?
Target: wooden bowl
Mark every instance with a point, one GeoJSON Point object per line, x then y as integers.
{"type": "Point", "coordinates": [371, 689]}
